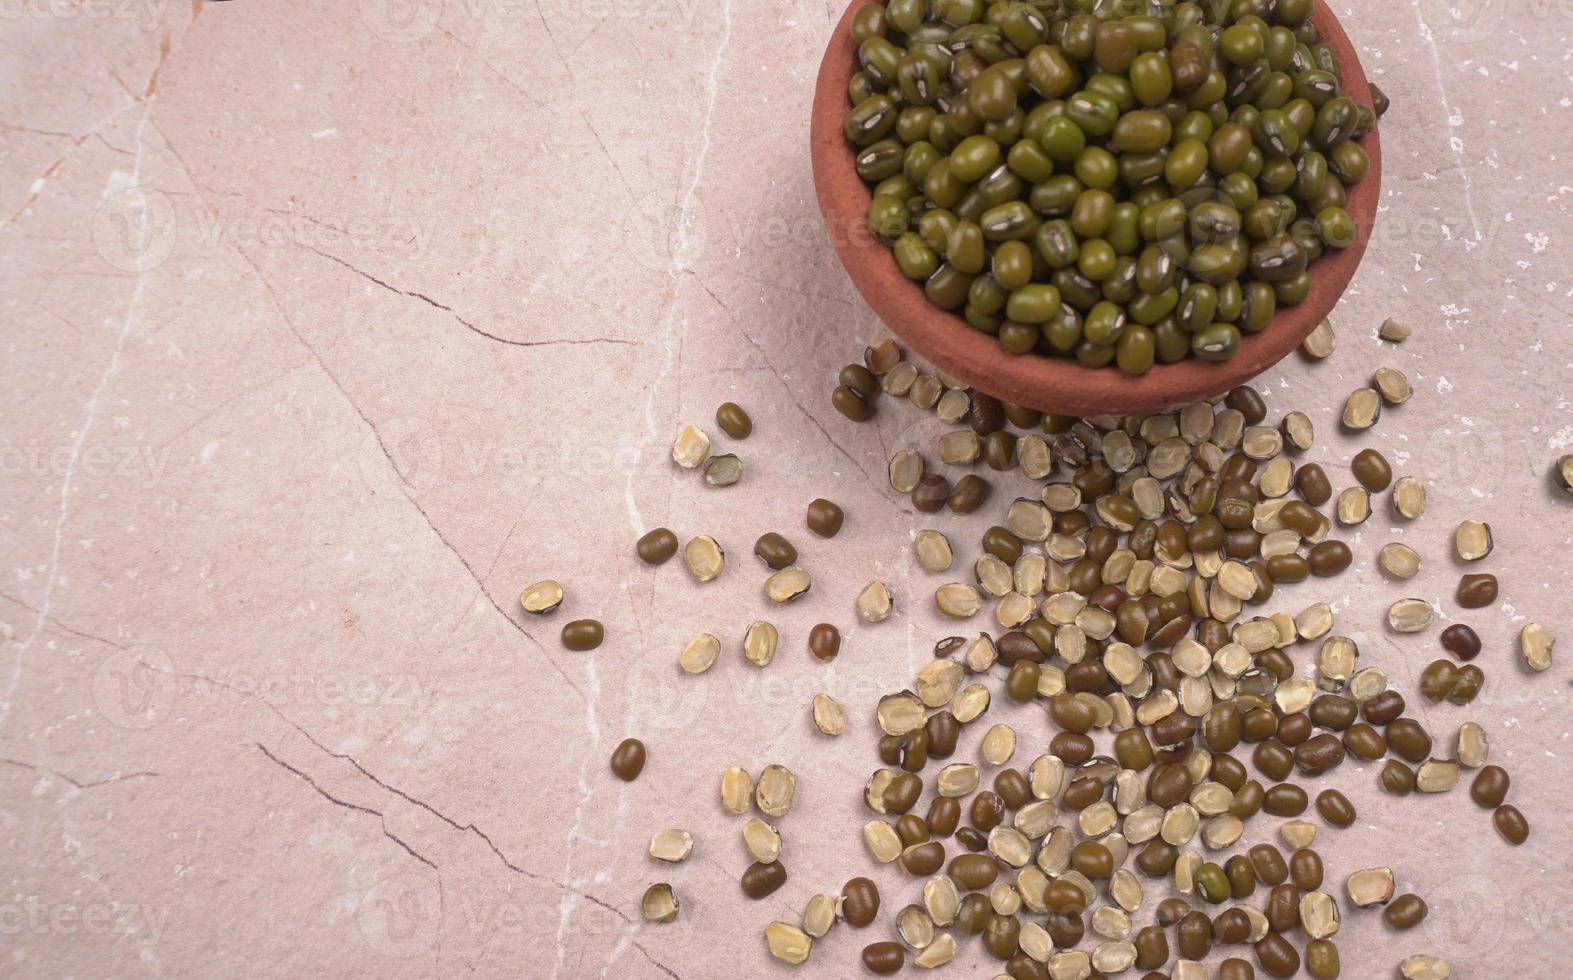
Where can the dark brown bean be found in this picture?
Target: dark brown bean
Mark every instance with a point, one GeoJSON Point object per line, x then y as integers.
{"type": "Point", "coordinates": [1169, 784]}
{"type": "Point", "coordinates": [1364, 742]}
{"type": "Point", "coordinates": [970, 493]}
{"type": "Point", "coordinates": [1305, 869]}
{"type": "Point", "coordinates": [949, 645]}
{"type": "Point", "coordinates": [931, 493]}
{"type": "Point", "coordinates": [1294, 729]}
{"type": "Point", "coordinates": [1001, 936]}
{"type": "Point", "coordinates": [912, 829]}
{"type": "Point", "coordinates": [986, 414]}
{"type": "Point", "coordinates": [775, 550]}
{"type": "Point", "coordinates": [582, 634]}
{"type": "Point", "coordinates": [1329, 558]}
{"type": "Point", "coordinates": [973, 872]}
{"type": "Point", "coordinates": [854, 406]}
{"type": "Point", "coordinates": [1152, 948]}
{"type": "Point", "coordinates": [1317, 755]}
{"type": "Point", "coordinates": [999, 451]}
{"type": "Point", "coordinates": [1285, 800]}
{"type": "Point", "coordinates": [628, 759]}
{"type": "Point", "coordinates": [859, 902]}
{"type": "Point", "coordinates": [1132, 749]}
{"type": "Point", "coordinates": [1003, 544]}
{"type": "Point", "coordinates": [972, 839]}
{"type": "Point", "coordinates": [656, 547]}
{"type": "Point", "coordinates": [1397, 778]}
{"type": "Point", "coordinates": [1467, 684]}
{"type": "Point", "coordinates": [1248, 800]}
{"type": "Point", "coordinates": [1071, 748]}
{"type": "Point", "coordinates": [1013, 787]}
{"type": "Point", "coordinates": [1406, 737]}
{"type": "Point", "coordinates": [1405, 912]}
{"type": "Point", "coordinates": [1476, 591]}
{"type": "Point", "coordinates": [1231, 926]}
{"type": "Point", "coordinates": [1195, 936]}
{"type": "Point", "coordinates": [1312, 483]}
{"type": "Point", "coordinates": [1023, 967]}
{"type": "Point", "coordinates": [1235, 968]}
{"type": "Point", "coordinates": [1510, 823]}
{"type": "Point", "coordinates": [922, 860]}
{"type": "Point", "coordinates": [943, 817]}
{"type": "Point", "coordinates": [1248, 402]}
{"type": "Point", "coordinates": [1383, 708]}
{"type": "Point", "coordinates": [1092, 859]}
{"type": "Point", "coordinates": [987, 811]}
{"type": "Point", "coordinates": [1170, 911]}
{"type": "Point", "coordinates": [1372, 470]}
{"type": "Point", "coordinates": [733, 420]}
{"type": "Point", "coordinates": [943, 730]}
{"type": "Point", "coordinates": [1321, 959]}
{"type": "Point", "coordinates": [1258, 724]}
{"type": "Point", "coordinates": [860, 379]}
{"type": "Point", "coordinates": [884, 958]}
{"type": "Point", "coordinates": [1436, 680]}
{"type": "Point", "coordinates": [1242, 877]}
{"type": "Point", "coordinates": [1461, 641]}
{"type": "Point", "coordinates": [1490, 787]}
{"type": "Point", "coordinates": [1273, 760]}
{"type": "Point", "coordinates": [1334, 711]}
{"type": "Point", "coordinates": [825, 518]}
{"type": "Point", "coordinates": [1017, 646]}
{"type": "Point", "coordinates": [1228, 770]}
{"type": "Point", "coordinates": [1268, 862]}
{"type": "Point", "coordinates": [1157, 858]}
{"type": "Point", "coordinates": [1022, 683]}
{"type": "Point", "coordinates": [902, 793]}
{"type": "Point", "coordinates": [974, 914]}
{"type": "Point", "coordinates": [1283, 908]}
{"type": "Point", "coordinates": [762, 879]}
{"type": "Point", "coordinates": [824, 642]}
{"type": "Point", "coordinates": [1277, 956]}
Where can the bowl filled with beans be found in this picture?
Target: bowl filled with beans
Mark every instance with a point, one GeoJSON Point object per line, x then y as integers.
{"type": "Point", "coordinates": [1092, 208]}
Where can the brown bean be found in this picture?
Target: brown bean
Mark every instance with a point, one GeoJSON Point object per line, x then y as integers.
{"type": "Point", "coordinates": [1510, 823]}
{"type": "Point", "coordinates": [825, 518]}
{"type": "Point", "coordinates": [761, 879]}
{"type": "Point", "coordinates": [657, 546]}
{"type": "Point", "coordinates": [1372, 470]}
{"type": "Point", "coordinates": [859, 902]}
{"type": "Point", "coordinates": [884, 958]}
{"type": "Point", "coordinates": [1476, 591]}
{"type": "Point", "coordinates": [1490, 787]}
{"type": "Point", "coordinates": [1461, 641]}
{"type": "Point", "coordinates": [824, 642]}
{"type": "Point", "coordinates": [1405, 912]}
{"type": "Point", "coordinates": [628, 759]}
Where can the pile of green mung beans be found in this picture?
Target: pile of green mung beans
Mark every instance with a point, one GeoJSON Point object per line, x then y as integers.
{"type": "Point", "coordinates": [1084, 181]}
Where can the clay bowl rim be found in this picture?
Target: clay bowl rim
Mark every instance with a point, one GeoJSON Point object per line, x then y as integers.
{"type": "Point", "coordinates": [1061, 384]}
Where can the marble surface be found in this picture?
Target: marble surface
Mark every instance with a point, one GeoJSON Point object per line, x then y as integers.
{"type": "Point", "coordinates": [328, 327]}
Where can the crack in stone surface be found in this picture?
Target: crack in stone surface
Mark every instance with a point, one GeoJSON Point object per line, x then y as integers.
{"type": "Point", "coordinates": [79, 784]}
{"type": "Point", "coordinates": [383, 821]}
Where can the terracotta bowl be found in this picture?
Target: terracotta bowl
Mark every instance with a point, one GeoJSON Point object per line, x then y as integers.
{"type": "Point", "coordinates": [1060, 384]}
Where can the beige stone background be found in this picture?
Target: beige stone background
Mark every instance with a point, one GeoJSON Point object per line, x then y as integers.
{"type": "Point", "coordinates": [328, 327]}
